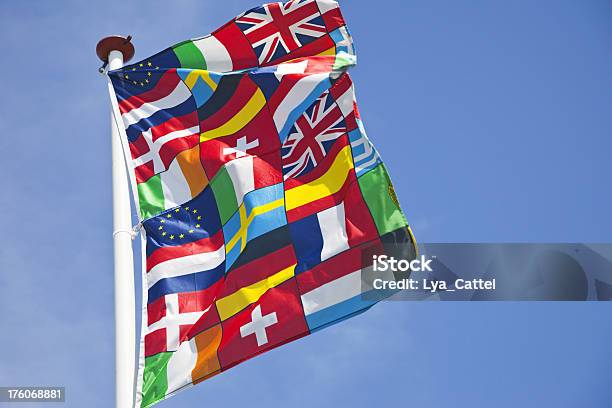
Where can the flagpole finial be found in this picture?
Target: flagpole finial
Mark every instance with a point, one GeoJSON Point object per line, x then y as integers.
{"type": "Point", "coordinates": [115, 43]}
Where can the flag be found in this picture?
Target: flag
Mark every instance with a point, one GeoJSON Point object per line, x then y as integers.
{"type": "Point", "coordinates": [257, 188]}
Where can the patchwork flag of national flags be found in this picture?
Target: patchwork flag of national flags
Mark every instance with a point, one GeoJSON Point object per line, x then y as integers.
{"type": "Point", "coordinates": [257, 188]}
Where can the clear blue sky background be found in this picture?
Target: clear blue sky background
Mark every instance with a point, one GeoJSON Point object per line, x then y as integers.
{"type": "Point", "coordinates": [495, 119]}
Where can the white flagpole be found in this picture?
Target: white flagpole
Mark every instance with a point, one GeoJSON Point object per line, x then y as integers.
{"type": "Point", "coordinates": [114, 50]}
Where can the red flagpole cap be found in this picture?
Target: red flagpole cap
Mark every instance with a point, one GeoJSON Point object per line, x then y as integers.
{"type": "Point", "coordinates": [118, 43]}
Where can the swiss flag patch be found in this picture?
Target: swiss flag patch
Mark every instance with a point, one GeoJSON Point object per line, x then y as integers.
{"type": "Point", "coordinates": [276, 318]}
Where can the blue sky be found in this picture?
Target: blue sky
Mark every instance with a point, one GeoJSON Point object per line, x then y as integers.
{"type": "Point", "coordinates": [494, 120]}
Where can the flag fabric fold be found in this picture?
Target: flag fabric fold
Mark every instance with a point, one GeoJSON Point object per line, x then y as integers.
{"type": "Point", "coordinates": [257, 188]}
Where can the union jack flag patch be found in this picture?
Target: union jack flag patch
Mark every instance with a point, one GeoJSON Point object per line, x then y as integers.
{"type": "Point", "coordinates": [276, 29]}
{"type": "Point", "coordinates": [312, 135]}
